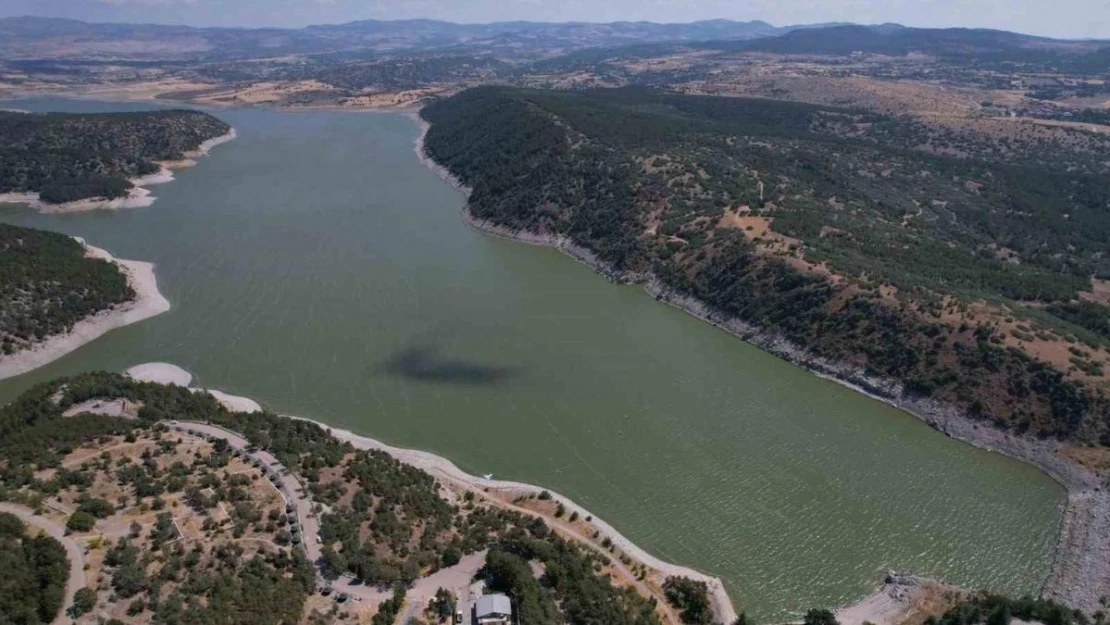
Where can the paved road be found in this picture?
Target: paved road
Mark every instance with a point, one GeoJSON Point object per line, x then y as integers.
{"type": "Point", "coordinates": [74, 553]}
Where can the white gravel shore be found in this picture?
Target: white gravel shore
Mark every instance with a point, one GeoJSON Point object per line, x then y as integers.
{"type": "Point", "coordinates": [148, 302]}
{"type": "Point", "coordinates": [447, 472]}
{"type": "Point", "coordinates": [165, 373]}
{"type": "Point", "coordinates": [138, 197]}
{"type": "Point", "coordinates": [160, 373]}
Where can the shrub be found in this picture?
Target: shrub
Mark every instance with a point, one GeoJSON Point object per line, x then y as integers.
{"type": "Point", "coordinates": [80, 521]}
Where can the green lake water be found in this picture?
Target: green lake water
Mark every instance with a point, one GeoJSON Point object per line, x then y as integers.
{"type": "Point", "coordinates": [315, 265]}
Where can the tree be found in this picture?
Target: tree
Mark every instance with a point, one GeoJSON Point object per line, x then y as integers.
{"type": "Point", "coordinates": [84, 600]}
{"type": "Point", "coordinates": [691, 597]}
{"type": "Point", "coordinates": [451, 556]}
{"type": "Point", "coordinates": [35, 573]}
{"type": "Point", "coordinates": [509, 573]}
{"type": "Point", "coordinates": [1000, 616]}
{"type": "Point", "coordinates": [80, 522]}
{"type": "Point", "coordinates": [335, 563]}
{"type": "Point", "coordinates": [98, 508]}
{"type": "Point", "coordinates": [442, 606]}
{"type": "Point", "coordinates": [128, 580]}
{"type": "Point", "coordinates": [389, 609]}
{"type": "Point", "coordinates": [11, 526]}
{"type": "Point", "coordinates": [820, 617]}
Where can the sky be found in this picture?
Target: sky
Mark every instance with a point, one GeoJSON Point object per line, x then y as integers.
{"type": "Point", "coordinates": [1057, 18]}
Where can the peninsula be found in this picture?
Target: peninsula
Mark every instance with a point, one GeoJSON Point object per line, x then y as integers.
{"type": "Point", "coordinates": [58, 293]}
{"type": "Point", "coordinates": [62, 162]}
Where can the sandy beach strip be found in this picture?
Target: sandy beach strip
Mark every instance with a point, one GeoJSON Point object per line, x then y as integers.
{"type": "Point", "coordinates": [139, 196]}
{"type": "Point", "coordinates": [160, 373]}
{"type": "Point", "coordinates": [166, 373]}
{"type": "Point", "coordinates": [449, 473]}
{"type": "Point", "coordinates": [148, 302]}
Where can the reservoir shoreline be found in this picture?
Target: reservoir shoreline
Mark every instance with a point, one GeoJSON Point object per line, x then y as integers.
{"type": "Point", "coordinates": [897, 597]}
{"type": "Point", "coordinates": [448, 473]}
{"type": "Point", "coordinates": [138, 196]}
{"type": "Point", "coordinates": [148, 302]}
{"type": "Point", "coordinates": [701, 441]}
{"type": "Point", "coordinates": [1080, 571]}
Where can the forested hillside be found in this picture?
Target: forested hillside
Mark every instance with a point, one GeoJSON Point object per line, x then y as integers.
{"type": "Point", "coordinates": [66, 157]}
{"type": "Point", "coordinates": [383, 522]}
{"type": "Point", "coordinates": [47, 285]}
{"type": "Point", "coordinates": [35, 573]}
{"type": "Point", "coordinates": [958, 267]}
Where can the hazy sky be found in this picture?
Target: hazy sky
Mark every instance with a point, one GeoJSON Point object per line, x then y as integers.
{"type": "Point", "coordinates": [1061, 18]}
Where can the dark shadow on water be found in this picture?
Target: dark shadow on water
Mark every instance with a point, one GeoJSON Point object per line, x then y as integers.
{"type": "Point", "coordinates": [423, 364]}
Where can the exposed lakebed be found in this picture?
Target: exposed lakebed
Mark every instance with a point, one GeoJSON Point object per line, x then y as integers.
{"type": "Point", "coordinates": [315, 265]}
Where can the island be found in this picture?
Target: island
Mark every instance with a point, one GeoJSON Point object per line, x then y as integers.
{"type": "Point", "coordinates": [64, 162]}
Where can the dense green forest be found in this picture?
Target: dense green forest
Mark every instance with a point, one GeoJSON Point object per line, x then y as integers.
{"type": "Point", "coordinates": [991, 609]}
{"type": "Point", "coordinates": [47, 285]}
{"type": "Point", "coordinates": [392, 527]}
{"type": "Point", "coordinates": [35, 574]}
{"type": "Point", "coordinates": [661, 184]}
{"type": "Point", "coordinates": [66, 156]}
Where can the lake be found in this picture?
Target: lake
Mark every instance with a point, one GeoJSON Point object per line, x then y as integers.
{"type": "Point", "coordinates": [314, 265]}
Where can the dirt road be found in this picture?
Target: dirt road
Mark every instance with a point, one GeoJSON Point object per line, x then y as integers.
{"type": "Point", "coordinates": [74, 553]}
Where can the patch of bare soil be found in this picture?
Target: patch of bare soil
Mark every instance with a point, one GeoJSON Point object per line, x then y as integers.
{"type": "Point", "coordinates": [1100, 292]}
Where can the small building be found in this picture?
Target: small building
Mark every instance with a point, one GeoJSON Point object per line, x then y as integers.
{"type": "Point", "coordinates": [493, 610]}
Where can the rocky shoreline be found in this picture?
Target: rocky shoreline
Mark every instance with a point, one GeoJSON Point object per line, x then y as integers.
{"type": "Point", "coordinates": [1080, 573]}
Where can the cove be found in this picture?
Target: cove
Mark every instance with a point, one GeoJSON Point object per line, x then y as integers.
{"type": "Point", "coordinates": [315, 265]}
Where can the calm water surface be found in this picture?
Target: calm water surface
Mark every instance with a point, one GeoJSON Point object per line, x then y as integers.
{"type": "Point", "coordinates": [315, 265]}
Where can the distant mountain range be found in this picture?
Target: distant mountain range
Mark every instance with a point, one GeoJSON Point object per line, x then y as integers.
{"type": "Point", "coordinates": [42, 38]}
{"type": "Point", "coordinates": [23, 38]}
{"type": "Point", "coordinates": [895, 39]}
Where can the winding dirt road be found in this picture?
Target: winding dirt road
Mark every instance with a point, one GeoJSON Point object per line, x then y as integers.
{"type": "Point", "coordinates": [74, 553]}
{"type": "Point", "coordinates": [290, 488]}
